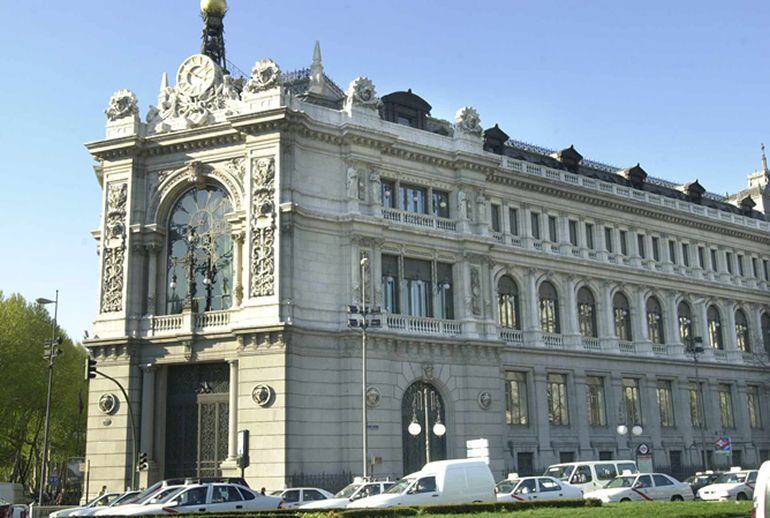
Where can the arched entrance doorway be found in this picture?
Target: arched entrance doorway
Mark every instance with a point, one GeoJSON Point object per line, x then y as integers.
{"type": "Point", "coordinates": [422, 406]}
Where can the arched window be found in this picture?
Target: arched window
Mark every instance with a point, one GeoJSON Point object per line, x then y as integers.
{"type": "Point", "coordinates": [586, 312]}
{"type": "Point", "coordinates": [715, 328]}
{"type": "Point", "coordinates": [765, 323]}
{"type": "Point", "coordinates": [655, 321]}
{"type": "Point", "coordinates": [508, 302]}
{"type": "Point", "coordinates": [622, 318]}
{"type": "Point", "coordinates": [685, 322]}
{"type": "Point", "coordinates": [742, 331]}
{"type": "Point", "coordinates": [200, 252]}
{"type": "Point", "coordinates": [549, 308]}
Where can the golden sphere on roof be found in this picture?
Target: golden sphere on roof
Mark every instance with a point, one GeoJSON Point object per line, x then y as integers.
{"type": "Point", "coordinates": [216, 7]}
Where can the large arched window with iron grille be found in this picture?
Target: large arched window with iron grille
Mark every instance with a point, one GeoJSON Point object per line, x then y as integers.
{"type": "Point", "coordinates": [765, 325]}
{"type": "Point", "coordinates": [742, 339]}
{"type": "Point", "coordinates": [622, 317]}
{"type": "Point", "coordinates": [508, 303]}
{"type": "Point", "coordinates": [684, 315]}
{"type": "Point", "coordinates": [549, 308]}
{"type": "Point", "coordinates": [655, 321]}
{"type": "Point", "coordinates": [586, 307]}
{"type": "Point", "coordinates": [200, 252]}
{"type": "Point", "coordinates": [715, 328]}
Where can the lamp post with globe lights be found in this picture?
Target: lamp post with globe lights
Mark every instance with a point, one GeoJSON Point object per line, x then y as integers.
{"type": "Point", "coordinates": [415, 428]}
{"type": "Point", "coordinates": [693, 347]}
{"type": "Point", "coordinates": [635, 431]}
{"type": "Point", "coordinates": [50, 355]}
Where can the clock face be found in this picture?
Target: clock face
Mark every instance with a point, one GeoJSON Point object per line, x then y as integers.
{"type": "Point", "coordinates": [196, 75]}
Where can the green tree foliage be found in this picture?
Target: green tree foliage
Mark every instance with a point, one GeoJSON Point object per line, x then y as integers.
{"type": "Point", "coordinates": [24, 329]}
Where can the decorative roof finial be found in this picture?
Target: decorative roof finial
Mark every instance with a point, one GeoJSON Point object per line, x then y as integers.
{"type": "Point", "coordinates": [764, 160]}
{"type": "Point", "coordinates": [213, 39]}
{"type": "Point", "coordinates": [317, 71]}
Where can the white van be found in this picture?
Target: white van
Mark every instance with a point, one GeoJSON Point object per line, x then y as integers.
{"type": "Point", "coordinates": [455, 481]}
{"type": "Point", "coordinates": [762, 492]}
{"type": "Point", "coordinates": [591, 475]}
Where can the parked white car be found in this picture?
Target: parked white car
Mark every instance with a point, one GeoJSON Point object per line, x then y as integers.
{"type": "Point", "coordinates": [762, 492]}
{"type": "Point", "coordinates": [209, 498]}
{"type": "Point", "coordinates": [736, 484]}
{"type": "Point", "coordinates": [296, 496]}
{"type": "Point", "coordinates": [590, 475]}
{"type": "Point", "coordinates": [442, 482]}
{"type": "Point", "coordinates": [524, 489]}
{"type": "Point", "coordinates": [360, 488]}
{"type": "Point", "coordinates": [99, 501]}
{"type": "Point", "coordinates": [643, 487]}
{"type": "Point", "coordinates": [159, 496]}
{"type": "Point", "coordinates": [123, 499]}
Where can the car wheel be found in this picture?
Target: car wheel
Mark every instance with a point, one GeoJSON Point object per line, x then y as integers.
{"type": "Point", "coordinates": [677, 498]}
{"type": "Point", "coordinates": [625, 500]}
{"type": "Point", "coordinates": [741, 497]}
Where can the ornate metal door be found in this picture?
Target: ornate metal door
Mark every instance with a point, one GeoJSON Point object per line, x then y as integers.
{"type": "Point", "coordinates": [414, 410]}
{"type": "Point", "coordinates": [196, 419]}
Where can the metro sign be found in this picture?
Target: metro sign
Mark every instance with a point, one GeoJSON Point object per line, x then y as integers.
{"type": "Point", "coordinates": [723, 444]}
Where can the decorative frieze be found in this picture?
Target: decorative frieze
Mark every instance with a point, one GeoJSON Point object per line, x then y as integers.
{"type": "Point", "coordinates": [262, 227]}
{"type": "Point", "coordinates": [114, 255]}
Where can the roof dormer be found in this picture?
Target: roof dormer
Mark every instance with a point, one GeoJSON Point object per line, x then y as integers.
{"type": "Point", "coordinates": [635, 175]}
{"type": "Point", "coordinates": [495, 139]}
{"type": "Point", "coordinates": [569, 157]}
{"type": "Point", "coordinates": [405, 108]}
{"type": "Point", "coordinates": [694, 191]}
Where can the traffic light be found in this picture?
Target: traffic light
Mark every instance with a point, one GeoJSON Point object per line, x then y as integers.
{"type": "Point", "coordinates": [52, 347]}
{"type": "Point", "coordinates": [142, 464]}
{"type": "Point", "coordinates": [90, 369]}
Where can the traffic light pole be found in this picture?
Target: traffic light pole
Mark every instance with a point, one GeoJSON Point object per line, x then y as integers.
{"type": "Point", "coordinates": [51, 356]}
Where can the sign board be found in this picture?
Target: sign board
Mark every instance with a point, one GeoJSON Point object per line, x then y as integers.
{"type": "Point", "coordinates": [723, 445]}
{"type": "Point", "coordinates": [477, 449]}
{"type": "Point", "coordinates": [643, 449]}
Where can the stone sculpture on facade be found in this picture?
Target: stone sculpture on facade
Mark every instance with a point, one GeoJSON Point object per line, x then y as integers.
{"type": "Point", "coordinates": [123, 103]}
{"type": "Point", "coordinates": [475, 291]}
{"type": "Point", "coordinates": [263, 227]}
{"type": "Point", "coordinates": [265, 74]}
{"type": "Point", "coordinates": [361, 92]}
{"type": "Point", "coordinates": [467, 120]}
{"type": "Point", "coordinates": [114, 253]}
{"type": "Point", "coordinates": [352, 183]}
{"type": "Point", "coordinates": [375, 187]}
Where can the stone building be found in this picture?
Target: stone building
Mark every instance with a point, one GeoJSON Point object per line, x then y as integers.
{"type": "Point", "coordinates": [530, 297]}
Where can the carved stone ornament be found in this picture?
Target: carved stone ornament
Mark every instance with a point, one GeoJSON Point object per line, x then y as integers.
{"type": "Point", "coordinates": [108, 403]}
{"type": "Point", "coordinates": [123, 103]}
{"type": "Point", "coordinates": [467, 120]}
{"type": "Point", "coordinates": [361, 92]}
{"type": "Point", "coordinates": [264, 75]}
{"type": "Point", "coordinates": [373, 397]}
{"type": "Point", "coordinates": [475, 291]}
{"type": "Point", "coordinates": [263, 395]}
{"type": "Point", "coordinates": [262, 227]}
{"type": "Point", "coordinates": [113, 256]}
{"type": "Point", "coordinates": [427, 371]}
{"type": "Point", "coordinates": [484, 400]}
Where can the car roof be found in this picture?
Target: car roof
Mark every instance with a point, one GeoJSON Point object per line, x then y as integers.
{"type": "Point", "coordinates": [591, 462]}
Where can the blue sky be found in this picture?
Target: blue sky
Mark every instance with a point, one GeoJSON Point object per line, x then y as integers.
{"type": "Point", "coordinates": [681, 87]}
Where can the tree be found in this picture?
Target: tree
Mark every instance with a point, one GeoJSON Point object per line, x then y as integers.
{"type": "Point", "coordinates": [24, 329]}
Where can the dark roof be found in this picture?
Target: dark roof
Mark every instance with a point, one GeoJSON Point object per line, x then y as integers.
{"type": "Point", "coordinates": [409, 99]}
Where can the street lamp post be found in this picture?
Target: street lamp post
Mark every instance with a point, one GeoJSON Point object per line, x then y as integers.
{"type": "Point", "coordinates": [52, 354]}
{"type": "Point", "coordinates": [636, 431]}
{"type": "Point", "coordinates": [439, 429]}
{"type": "Point", "coordinates": [369, 317]}
{"type": "Point", "coordinates": [691, 347]}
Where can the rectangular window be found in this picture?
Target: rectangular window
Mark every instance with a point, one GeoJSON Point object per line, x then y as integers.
{"type": "Point", "coordinates": [740, 265]}
{"type": "Point", "coordinates": [766, 268]}
{"type": "Point", "coordinates": [656, 248]}
{"type": "Point", "coordinates": [389, 194]}
{"type": "Point", "coordinates": [755, 417]}
{"type": "Point", "coordinates": [513, 221]}
{"type": "Point", "coordinates": [495, 213]}
{"type": "Point", "coordinates": [696, 406]}
{"type": "Point", "coordinates": [754, 269]}
{"type": "Point", "coordinates": [686, 254]}
{"type": "Point", "coordinates": [413, 199]}
{"type": "Point", "coordinates": [714, 265]}
{"type": "Point", "coordinates": [552, 234]}
{"type": "Point", "coordinates": [516, 411]}
{"type": "Point", "coordinates": [623, 242]}
{"type": "Point", "coordinates": [390, 283]}
{"type": "Point", "coordinates": [445, 305]}
{"type": "Point", "coordinates": [725, 405]}
{"type": "Point", "coordinates": [640, 246]}
{"type": "Point", "coordinates": [701, 257]}
{"type": "Point", "coordinates": [595, 395]}
{"type": "Point", "coordinates": [440, 204]}
{"type": "Point", "coordinates": [665, 403]}
{"type": "Point", "coordinates": [671, 251]}
{"type": "Point", "coordinates": [608, 239]}
{"type": "Point", "coordinates": [417, 284]}
{"type": "Point", "coordinates": [558, 414]}
{"type": "Point", "coordinates": [590, 236]}
{"type": "Point", "coordinates": [573, 234]}
{"type": "Point", "coordinates": [535, 220]}
{"type": "Point", "coordinates": [729, 261]}
{"type": "Point", "coordinates": [632, 401]}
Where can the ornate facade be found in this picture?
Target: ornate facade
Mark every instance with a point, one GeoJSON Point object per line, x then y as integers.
{"type": "Point", "coordinates": [540, 298]}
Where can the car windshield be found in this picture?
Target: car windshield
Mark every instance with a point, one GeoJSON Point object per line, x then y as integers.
{"type": "Point", "coordinates": [506, 486]}
{"type": "Point", "coordinates": [124, 498]}
{"type": "Point", "coordinates": [697, 479]}
{"type": "Point", "coordinates": [560, 472]}
{"type": "Point", "coordinates": [102, 500]}
{"type": "Point", "coordinates": [347, 491]}
{"type": "Point", "coordinates": [164, 495]}
{"type": "Point", "coordinates": [400, 486]}
{"type": "Point", "coordinates": [278, 492]}
{"type": "Point", "coordinates": [148, 493]}
{"type": "Point", "coordinates": [732, 478]}
{"type": "Point", "coordinates": [621, 482]}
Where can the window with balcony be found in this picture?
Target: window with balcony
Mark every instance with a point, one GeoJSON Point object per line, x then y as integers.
{"type": "Point", "coordinates": [622, 318]}
{"type": "Point", "coordinates": [390, 284]}
{"type": "Point", "coordinates": [440, 205]}
{"type": "Point", "coordinates": [586, 312]}
{"type": "Point", "coordinates": [752, 399]}
{"type": "Point", "coordinates": [445, 300]}
{"type": "Point", "coordinates": [714, 265]}
{"type": "Point", "coordinates": [623, 242]}
{"type": "Point", "coordinates": [686, 254]}
{"type": "Point", "coordinates": [729, 261]}
{"type": "Point", "coordinates": [516, 409]}
{"type": "Point", "coordinates": [696, 405]}
{"type": "Point", "coordinates": [633, 403]}
{"type": "Point", "coordinates": [413, 199]}
{"type": "Point", "coordinates": [765, 327]}
{"type": "Point", "coordinates": [656, 248]}
{"type": "Point", "coordinates": [715, 328]}
{"type": "Point", "coordinates": [553, 235]}
{"type": "Point", "coordinates": [590, 236]}
{"type": "Point", "coordinates": [573, 232]}
{"type": "Point", "coordinates": [608, 240]}
{"type": "Point", "coordinates": [724, 394]}
{"type": "Point", "coordinates": [742, 331]}
{"type": "Point", "coordinates": [556, 388]}
{"type": "Point", "coordinates": [640, 246]}
{"type": "Point", "coordinates": [495, 217]}
{"type": "Point", "coordinates": [672, 250]}
{"type": "Point", "coordinates": [513, 221]}
{"type": "Point", "coordinates": [388, 188]}
{"type": "Point", "coordinates": [754, 267]}
{"type": "Point", "coordinates": [684, 316]}
{"type": "Point", "coordinates": [740, 265]}
{"type": "Point", "coordinates": [535, 223]}
{"type": "Point", "coordinates": [655, 321]}
{"type": "Point", "coordinates": [701, 257]}
{"type": "Point", "coordinates": [665, 403]}
{"type": "Point", "coordinates": [417, 287]}
{"type": "Point", "coordinates": [595, 401]}
{"type": "Point", "coordinates": [549, 308]}
{"type": "Point", "coordinates": [508, 303]}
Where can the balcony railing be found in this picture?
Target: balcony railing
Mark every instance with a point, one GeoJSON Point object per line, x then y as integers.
{"type": "Point", "coordinates": [211, 319]}
{"type": "Point", "coordinates": [419, 220]}
{"type": "Point", "coordinates": [423, 325]}
{"type": "Point", "coordinates": [511, 336]}
{"type": "Point", "coordinates": [552, 340]}
{"type": "Point", "coordinates": [660, 349]}
{"type": "Point", "coordinates": [165, 323]}
{"type": "Point", "coordinates": [626, 347]}
{"type": "Point", "coordinates": [591, 344]}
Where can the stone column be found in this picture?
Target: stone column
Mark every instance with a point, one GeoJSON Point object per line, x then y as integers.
{"type": "Point", "coordinates": [741, 409]}
{"type": "Point", "coordinates": [238, 237]}
{"type": "Point", "coordinates": [652, 426]}
{"type": "Point", "coordinates": [569, 310]}
{"type": "Point", "coordinates": [532, 304]}
{"type": "Point", "coordinates": [152, 278]}
{"type": "Point", "coordinates": [543, 425]}
{"type": "Point", "coordinates": [579, 413]}
{"type": "Point", "coordinates": [605, 318]}
{"type": "Point", "coordinates": [232, 430]}
{"type": "Point", "coordinates": [728, 330]}
{"type": "Point", "coordinates": [633, 247]}
{"type": "Point", "coordinates": [147, 431]}
{"type": "Point", "coordinates": [680, 389]}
